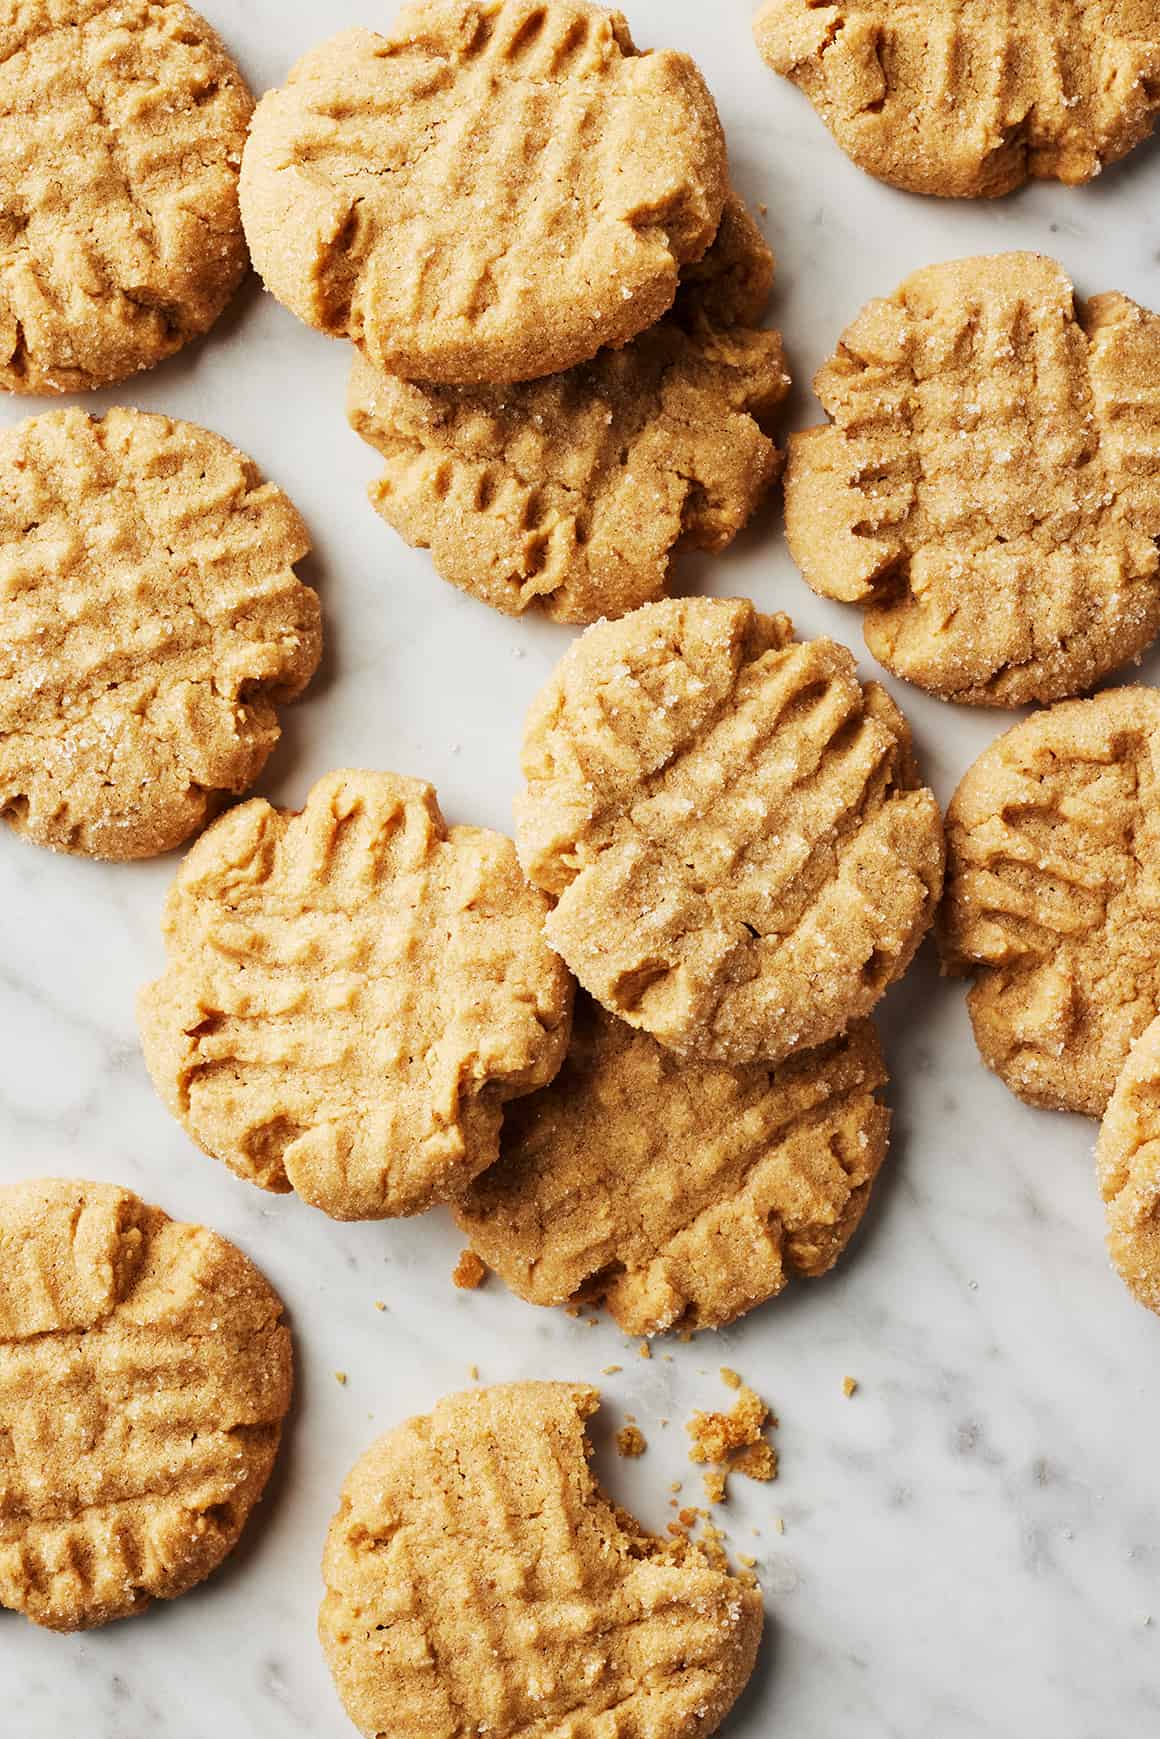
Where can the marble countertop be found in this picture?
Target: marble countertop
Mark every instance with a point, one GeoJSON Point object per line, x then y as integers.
{"type": "Point", "coordinates": [972, 1541]}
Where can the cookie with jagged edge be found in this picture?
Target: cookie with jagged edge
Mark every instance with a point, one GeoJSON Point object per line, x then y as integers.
{"type": "Point", "coordinates": [352, 993]}
{"type": "Point", "coordinates": [121, 135]}
{"type": "Point", "coordinates": [151, 623]}
{"type": "Point", "coordinates": [733, 829]}
{"type": "Point", "coordinates": [1128, 1163]}
{"type": "Point", "coordinates": [1053, 859]}
{"type": "Point", "coordinates": [479, 1581]}
{"type": "Point", "coordinates": [988, 491]}
{"type": "Point", "coordinates": [145, 1371]}
{"type": "Point", "coordinates": [968, 101]}
{"type": "Point", "coordinates": [492, 192]}
{"type": "Point", "coordinates": [679, 1194]}
{"type": "Point", "coordinates": [573, 492]}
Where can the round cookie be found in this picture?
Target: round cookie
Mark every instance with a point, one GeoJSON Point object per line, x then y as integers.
{"type": "Point", "coordinates": [150, 621]}
{"type": "Point", "coordinates": [493, 192]}
{"type": "Point", "coordinates": [968, 99]}
{"type": "Point", "coordinates": [145, 1371]}
{"type": "Point", "coordinates": [1053, 856]}
{"type": "Point", "coordinates": [352, 993]}
{"type": "Point", "coordinates": [679, 1194]}
{"type": "Point", "coordinates": [734, 829]}
{"type": "Point", "coordinates": [479, 1581]}
{"type": "Point", "coordinates": [572, 493]}
{"type": "Point", "coordinates": [987, 491]}
{"type": "Point", "coordinates": [1128, 1162]}
{"type": "Point", "coordinates": [121, 135]}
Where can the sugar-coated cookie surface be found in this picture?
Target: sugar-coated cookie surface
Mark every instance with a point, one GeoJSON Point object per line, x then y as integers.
{"type": "Point", "coordinates": [145, 1371]}
{"type": "Point", "coordinates": [680, 1194]}
{"type": "Point", "coordinates": [1053, 854]}
{"type": "Point", "coordinates": [989, 488]}
{"type": "Point", "coordinates": [479, 1581]}
{"type": "Point", "coordinates": [352, 993]}
{"type": "Point", "coordinates": [1128, 1160]}
{"type": "Point", "coordinates": [741, 852]}
{"type": "Point", "coordinates": [150, 623]}
{"type": "Point", "coordinates": [970, 98]}
{"type": "Point", "coordinates": [492, 192]}
{"type": "Point", "coordinates": [122, 124]}
{"type": "Point", "coordinates": [573, 492]}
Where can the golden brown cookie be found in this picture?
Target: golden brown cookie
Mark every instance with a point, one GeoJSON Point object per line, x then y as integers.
{"type": "Point", "coordinates": [679, 1194]}
{"type": "Point", "coordinates": [479, 1581]}
{"type": "Point", "coordinates": [971, 98]}
{"type": "Point", "coordinates": [150, 623]}
{"type": "Point", "coordinates": [1128, 1161]}
{"type": "Point", "coordinates": [988, 490]}
{"type": "Point", "coordinates": [145, 1371]}
{"type": "Point", "coordinates": [573, 492]}
{"type": "Point", "coordinates": [1053, 862]}
{"type": "Point", "coordinates": [492, 192]}
{"type": "Point", "coordinates": [121, 135]}
{"type": "Point", "coordinates": [734, 829]}
{"type": "Point", "coordinates": [352, 993]}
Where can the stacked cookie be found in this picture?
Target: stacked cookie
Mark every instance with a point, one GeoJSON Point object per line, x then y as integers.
{"type": "Point", "coordinates": [525, 227]}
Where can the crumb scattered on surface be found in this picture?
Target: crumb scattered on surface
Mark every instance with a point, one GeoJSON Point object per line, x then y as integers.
{"type": "Point", "coordinates": [468, 1272]}
{"type": "Point", "coordinates": [611, 1370]}
{"type": "Point", "coordinates": [645, 1350]}
{"type": "Point", "coordinates": [730, 1378]}
{"type": "Point", "coordinates": [473, 1373]}
{"type": "Point", "coordinates": [779, 1524]}
{"type": "Point", "coordinates": [630, 1442]}
{"type": "Point", "coordinates": [734, 1442]}
{"type": "Point", "coordinates": [379, 1305]}
{"type": "Point", "coordinates": [676, 1485]}
{"type": "Point", "coordinates": [340, 1377]}
{"type": "Point", "coordinates": [749, 1563]}
{"type": "Point", "coordinates": [849, 1386]}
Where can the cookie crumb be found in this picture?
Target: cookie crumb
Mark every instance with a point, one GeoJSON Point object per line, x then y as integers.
{"type": "Point", "coordinates": [734, 1442]}
{"type": "Point", "coordinates": [730, 1378]}
{"type": "Point", "coordinates": [714, 1482]}
{"type": "Point", "coordinates": [849, 1386]}
{"type": "Point", "coordinates": [340, 1378]}
{"type": "Point", "coordinates": [469, 1271]}
{"type": "Point", "coordinates": [645, 1350]}
{"type": "Point", "coordinates": [473, 1373]}
{"type": "Point", "coordinates": [779, 1524]}
{"type": "Point", "coordinates": [611, 1370]}
{"type": "Point", "coordinates": [379, 1305]}
{"type": "Point", "coordinates": [630, 1442]}
{"type": "Point", "coordinates": [676, 1485]}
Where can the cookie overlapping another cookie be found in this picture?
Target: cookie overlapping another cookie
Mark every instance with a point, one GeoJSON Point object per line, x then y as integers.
{"type": "Point", "coordinates": [572, 493]}
{"type": "Point", "coordinates": [740, 850]}
{"type": "Point", "coordinates": [494, 191]}
{"type": "Point", "coordinates": [353, 991]}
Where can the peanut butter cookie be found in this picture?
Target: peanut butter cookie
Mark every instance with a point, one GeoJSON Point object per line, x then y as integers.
{"type": "Point", "coordinates": [733, 828]}
{"type": "Point", "coordinates": [1053, 842]}
{"type": "Point", "coordinates": [573, 492]}
{"type": "Point", "coordinates": [352, 994]}
{"type": "Point", "coordinates": [479, 1581]}
{"type": "Point", "coordinates": [1128, 1160]}
{"type": "Point", "coordinates": [145, 1371]}
{"type": "Point", "coordinates": [150, 623]}
{"type": "Point", "coordinates": [121, 135]}
{"type": "Point", "coordinates": [988, 491]}
{"type": "Point", "coordinates": [492, 192]}
{"type": "Point", "coordinates": [680, 1194]}
{"type": "Point", "coordinates": [966, 98]}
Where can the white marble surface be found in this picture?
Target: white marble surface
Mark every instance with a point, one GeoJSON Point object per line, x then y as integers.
{"type": "Point", "coordinates": [972, 1542]}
